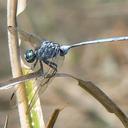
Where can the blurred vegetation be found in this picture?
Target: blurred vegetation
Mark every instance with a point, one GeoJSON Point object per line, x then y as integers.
{"type": "Point", "coordinates": [71, 21]}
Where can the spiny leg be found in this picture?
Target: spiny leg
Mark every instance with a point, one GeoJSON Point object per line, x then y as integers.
{"type": "Point", "coordinates": [52, 65]}
{"type": "Point", "coordinates": [41, 66]}
{"type": "Point", "coordinates": [35, 63]}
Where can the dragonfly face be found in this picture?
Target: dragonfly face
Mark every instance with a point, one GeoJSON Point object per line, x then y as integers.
{"type": "Point", "coordinates": [30, 56]}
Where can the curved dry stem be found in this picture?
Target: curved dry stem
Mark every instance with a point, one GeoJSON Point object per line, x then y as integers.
{"type": "Point", "coordinates": [98, 94]}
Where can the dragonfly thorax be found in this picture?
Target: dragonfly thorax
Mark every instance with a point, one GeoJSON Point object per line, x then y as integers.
{"type": "Point", "coordinates": [47, 50]}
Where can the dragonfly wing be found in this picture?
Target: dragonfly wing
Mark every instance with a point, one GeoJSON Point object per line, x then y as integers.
{"type": "Point", "coordinates": [41, 85]}
{"type": "Point", "coordinates": [31, 39]}
{"type": "Point", "coordinates": [34, 98]}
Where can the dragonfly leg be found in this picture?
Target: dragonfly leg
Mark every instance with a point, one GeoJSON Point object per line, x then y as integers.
{"type": "Point", "coordinates": [41, 66]}
{"type": "Point", "coordinates": [34, 65]}
{"type": "Point", "coordinates": [51, 64]}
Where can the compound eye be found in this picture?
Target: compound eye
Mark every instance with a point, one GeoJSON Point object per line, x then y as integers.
{"type": "Point", "coordinates": [30, 56]}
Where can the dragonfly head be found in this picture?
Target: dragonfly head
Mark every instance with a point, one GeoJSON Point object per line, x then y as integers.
{"type": "Point", "coordinates": [30, 56]}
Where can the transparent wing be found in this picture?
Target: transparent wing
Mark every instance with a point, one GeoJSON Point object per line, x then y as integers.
{"type": "Point", "coordinates": [32, 40]}
{"type": "Point", "coordinates": [40, 86]}
{"type": "Point", "coordinates": [42, 83]}
{"type": "Point", "coordinates": [58, 60]}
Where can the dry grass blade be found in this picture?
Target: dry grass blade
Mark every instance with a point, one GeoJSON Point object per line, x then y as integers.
{"type": "Point", "coordinates": [12, 82]}
{"type": "Point", "coordinates": [53, 118]}
{"type": "Point", "coordinates": [104, 100]}
{"type": "Point", "coordinates": [101, 97]}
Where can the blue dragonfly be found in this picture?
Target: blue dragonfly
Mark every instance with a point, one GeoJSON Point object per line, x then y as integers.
{"type": "Point", "coordinates": [49, 53]}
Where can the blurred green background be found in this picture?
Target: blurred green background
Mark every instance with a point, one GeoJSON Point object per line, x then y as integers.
{"type": "Point", "coordinates": [72, 21]}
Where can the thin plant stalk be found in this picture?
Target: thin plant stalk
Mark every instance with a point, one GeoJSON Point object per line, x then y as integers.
{"type": "Point", "coordinates": [15, 63]}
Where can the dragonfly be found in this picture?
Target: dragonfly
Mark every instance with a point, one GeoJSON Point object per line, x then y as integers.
{"type": "Point", "coordinates": [45, 52]}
